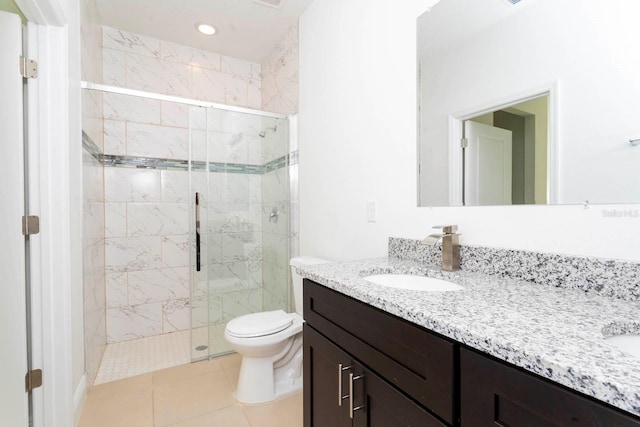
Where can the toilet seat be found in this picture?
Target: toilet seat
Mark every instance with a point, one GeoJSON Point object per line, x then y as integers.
{"type": "Point", "coordinates": [259, 324]}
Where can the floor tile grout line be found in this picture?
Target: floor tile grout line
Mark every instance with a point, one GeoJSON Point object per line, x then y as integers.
{"type": "Point", "coordinates": [150, 388]}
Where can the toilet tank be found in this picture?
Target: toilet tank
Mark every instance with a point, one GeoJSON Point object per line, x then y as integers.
{"type": "Point", "coordinates": [296, 279]}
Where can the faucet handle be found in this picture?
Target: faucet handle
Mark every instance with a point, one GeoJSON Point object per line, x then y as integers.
{"type": "Point", "coordinates": [447, 229]}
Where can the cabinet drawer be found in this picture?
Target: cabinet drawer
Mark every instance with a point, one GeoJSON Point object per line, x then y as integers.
{"type": "Point", "coordinates": [418, 362]}
{"type": "Point", "coordinates": [496, 394]}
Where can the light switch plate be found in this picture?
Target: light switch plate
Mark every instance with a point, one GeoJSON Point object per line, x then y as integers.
{"type": "Point", "coordinates": [371, 211]}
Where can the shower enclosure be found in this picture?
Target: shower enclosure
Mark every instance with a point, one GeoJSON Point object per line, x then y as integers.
{"type": "Point", "coordinates": [239, 182]}
{"type": "Point", "coordinates": [195, 219]}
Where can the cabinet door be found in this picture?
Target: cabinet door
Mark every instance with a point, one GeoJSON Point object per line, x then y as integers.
{"type": "Point", "coordinates": [323, 402]}
{"type": "Point", "coordinates": [496, 394]}
{"type": "Point", "coordinates": [378, 404]}
{"type": "Point", "coordinates": [412, 359]}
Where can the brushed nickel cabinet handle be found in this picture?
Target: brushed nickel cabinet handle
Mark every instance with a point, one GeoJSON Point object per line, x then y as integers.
{"type": "Point", "coordinates": [353, 378]}
{"type": "Point", "coordinates": [341, 369]}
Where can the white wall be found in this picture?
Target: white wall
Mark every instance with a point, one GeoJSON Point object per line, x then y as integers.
{"type": "Point", "coordinates": [358, 143]}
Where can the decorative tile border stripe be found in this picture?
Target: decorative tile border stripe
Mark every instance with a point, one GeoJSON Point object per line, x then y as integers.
{"type": "Point", "coordinates": [235, 168]}
{"type": "Point", "coordinates": [619, 279]}
{"type": "Point", "coordinates": [293, 158]}
{"type": "Point", "coordinates": [177, 164]}
{"type": "Point", "coordinates": [91, 147]}
{"type": "Point", "coordinates": [275, 164]}
{"type": "Point", "coordinates": [148, 163]}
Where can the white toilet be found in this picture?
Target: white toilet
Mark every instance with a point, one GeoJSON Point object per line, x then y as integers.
{"type": "Point", "coordinates": [271, 347]}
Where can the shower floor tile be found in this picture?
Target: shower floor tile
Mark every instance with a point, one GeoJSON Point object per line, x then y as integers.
{"type": "Point", "coordinates": [129, 358]}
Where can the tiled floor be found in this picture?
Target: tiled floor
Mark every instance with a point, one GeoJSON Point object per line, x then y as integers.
{"type": "Point", "coordinates": [195, 395]}
{"type": "Point", "coordinates": [129, 358]}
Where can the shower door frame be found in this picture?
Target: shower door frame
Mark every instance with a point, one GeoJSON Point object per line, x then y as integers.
{"type": "Point", "coordinates": [177, 99]}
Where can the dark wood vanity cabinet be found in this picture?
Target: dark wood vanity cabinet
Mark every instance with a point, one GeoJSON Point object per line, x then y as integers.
{"type": "Point", "coordinates": [496, 394]}
{"type": "Point", "coordinates": [394, 373]}
{"type": "Point", "coordinates": [340, 391]}
{"type": "Point", "coordinates": [324, 400]}
{"type": "Point", "coordinates": [390, 371]}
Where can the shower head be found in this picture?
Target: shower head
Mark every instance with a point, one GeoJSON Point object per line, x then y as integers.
{"type": "Point", "coordinates": [264, 132]}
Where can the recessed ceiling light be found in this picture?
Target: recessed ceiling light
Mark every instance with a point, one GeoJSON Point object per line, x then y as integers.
{"type": "Point", "coordinates": [206, 29]}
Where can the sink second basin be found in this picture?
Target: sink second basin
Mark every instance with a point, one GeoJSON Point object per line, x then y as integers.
{"type": "Point", "coordinates": [629, 343]}
{"type": "Point", "coordinates": [412, 282]}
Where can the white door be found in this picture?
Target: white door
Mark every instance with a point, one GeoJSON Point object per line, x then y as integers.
{"type": "Point", "coordinates": [13, 324]}
{"type": "Point", "coordinates": [488, 158]}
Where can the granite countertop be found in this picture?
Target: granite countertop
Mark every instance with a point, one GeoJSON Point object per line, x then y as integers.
{"type": "Point", "coordinates": [554, 332]}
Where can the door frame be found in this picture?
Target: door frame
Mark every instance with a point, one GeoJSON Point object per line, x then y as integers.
{"type": "Point", "coordinates": [456, 123]}
{"type": "Point", "coordinates": [53, 114]}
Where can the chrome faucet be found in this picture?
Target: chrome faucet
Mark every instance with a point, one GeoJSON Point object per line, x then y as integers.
{"type": "Point", "coordinates": [450, 246]}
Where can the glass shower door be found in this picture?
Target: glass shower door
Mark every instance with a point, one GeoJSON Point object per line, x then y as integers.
{"type": "Point", "coordinates": [198, 241]}
{"type": "Point", "coordinates": [248, 218]}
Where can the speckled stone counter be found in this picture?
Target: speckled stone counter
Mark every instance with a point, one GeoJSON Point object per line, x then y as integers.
{"type": "Point", "coordinates": [552, 331]}
{"type": "Point", "coordinates": [618, 279]}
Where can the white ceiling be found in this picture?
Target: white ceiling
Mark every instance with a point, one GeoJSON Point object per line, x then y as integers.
{"type": "Point", "coordinates": [246, 29]}
{"type": "Point", "coordinates": [450, 21]}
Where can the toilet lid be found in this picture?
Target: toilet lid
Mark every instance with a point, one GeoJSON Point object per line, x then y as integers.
{"type": "Point", "coordinates": [259, 324]}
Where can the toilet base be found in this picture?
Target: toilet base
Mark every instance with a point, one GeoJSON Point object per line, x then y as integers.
{"type": "Point", "coordinates": [265, 379]}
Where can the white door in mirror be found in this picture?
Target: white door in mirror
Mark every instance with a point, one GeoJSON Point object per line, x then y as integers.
{"type": "Point", "coordinates": [488, 171]}
{"type": "Point", "coordinates": [413, 283]}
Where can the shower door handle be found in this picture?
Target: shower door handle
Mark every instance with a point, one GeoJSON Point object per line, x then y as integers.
{"type": "Point", "coordinates": [198, 264]}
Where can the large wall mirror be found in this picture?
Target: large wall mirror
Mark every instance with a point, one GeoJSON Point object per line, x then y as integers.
{"type": "Point", "coordinates": [529, 102]}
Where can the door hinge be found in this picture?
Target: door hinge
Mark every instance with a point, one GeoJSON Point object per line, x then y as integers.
{"type": "Point", "coordinates": [30, 225]}
{"type": "Point", "coordinates": [28, 68]}
{"type": "Point", "coordinates": [464, 142]}
{"type": "Point", "coordinates": [33, 379]}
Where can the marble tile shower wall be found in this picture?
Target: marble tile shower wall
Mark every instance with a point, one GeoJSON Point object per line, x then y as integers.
{"type": "Point", "coordinates": [276, 240]}
{"type": "Point", "coordinates": [147, 211]}
{"type": "Point", "coordinates": [276, 230]}
{"type": "Point", "coordinates": [147, 216]}
{"type": "Point", "coordinates": [145, 63]}
{"type": "Point", "coordinates": [234, 230]}
{"type": "Point", "coordinates": [280, 93]}
{"type": "Point", "coordinates": [239, 258]}
{"type": "Point", "coordinates": [93, 242]}
{"type": "Point", "coordinates": [280, 81]}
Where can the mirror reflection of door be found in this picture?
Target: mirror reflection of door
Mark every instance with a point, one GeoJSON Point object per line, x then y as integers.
{"type": "Point", "coordinates": [488, 168]}
{"type": "Point", "coordinates": [506, 160]}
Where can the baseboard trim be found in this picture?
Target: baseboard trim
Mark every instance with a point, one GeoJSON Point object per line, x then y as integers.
{"type": "Point", "coordinates": [79, 398]}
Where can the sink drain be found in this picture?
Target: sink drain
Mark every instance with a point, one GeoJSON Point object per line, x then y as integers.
{"type": "Point", "coordinates": [202, 347]}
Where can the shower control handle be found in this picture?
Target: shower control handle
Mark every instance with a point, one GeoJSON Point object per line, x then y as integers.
{"type": "Point", "coordinates": [198, 264]}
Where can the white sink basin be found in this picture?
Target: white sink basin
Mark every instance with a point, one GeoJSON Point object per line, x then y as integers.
{"type": "Point", "coordinates": [413, 283]}
{"type": "Point", "coordinates": [629, 343]}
